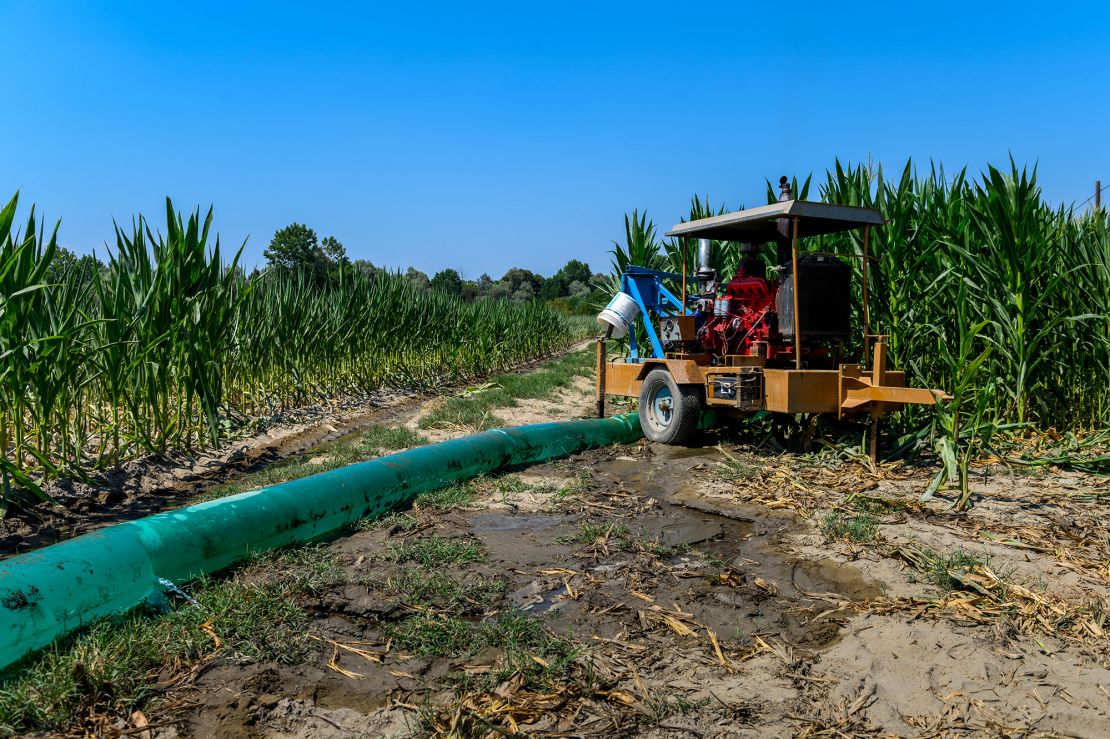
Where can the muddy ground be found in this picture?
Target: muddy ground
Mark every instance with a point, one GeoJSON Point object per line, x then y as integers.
{"type": "Point", "coordinates": [710, 591]}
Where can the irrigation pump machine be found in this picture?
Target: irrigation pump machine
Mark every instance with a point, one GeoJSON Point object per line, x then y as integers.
{"type": "Point", "coordinates": [768, 340]}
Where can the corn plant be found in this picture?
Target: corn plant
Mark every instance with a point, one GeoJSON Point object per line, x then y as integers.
{"type": "Point", "coordinates": [170, 346]}
{"type": "Point", "coordinates": [982, 288]}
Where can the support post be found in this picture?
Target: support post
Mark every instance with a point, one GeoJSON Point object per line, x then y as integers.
{"type": "Point", "coordinates": [683, 311]}
{"type": "Point", "coordinates": [601, 377]}
{"type": "Point", "coordinates": [797, 317]}
{"type": "Point", "coordinates": [866, 305]}
{"type": "Point", "coordinates": [1098, 195]}
{"type": "Point", "coordinates": [878, 379]}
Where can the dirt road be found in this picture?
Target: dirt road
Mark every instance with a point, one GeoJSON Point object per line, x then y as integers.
{"type": "Point", "coordinates": [702, 592]}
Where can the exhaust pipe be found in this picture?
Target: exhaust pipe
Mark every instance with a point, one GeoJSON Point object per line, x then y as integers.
{"type": "Point", "coordinates": [706, 273]}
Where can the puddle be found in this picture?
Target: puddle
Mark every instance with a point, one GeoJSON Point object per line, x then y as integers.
{"type": "Point", "coordinates": [486, 522]}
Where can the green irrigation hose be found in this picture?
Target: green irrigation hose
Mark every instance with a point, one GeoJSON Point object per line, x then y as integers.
{"type": "Point", "coordinates": [48, 593]}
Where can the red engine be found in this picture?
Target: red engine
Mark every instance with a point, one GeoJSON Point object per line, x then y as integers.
{"type": "Point", "coordinates": [743, 319]}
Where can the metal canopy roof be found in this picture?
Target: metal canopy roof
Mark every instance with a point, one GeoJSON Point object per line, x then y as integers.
{"type": "Point", "coordinates": [758, 225]}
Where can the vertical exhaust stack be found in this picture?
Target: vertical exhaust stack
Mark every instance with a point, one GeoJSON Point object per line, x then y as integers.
{"type": "Point", "coordinates": [785, 233]}
{"type": "Point", "coordinates": [706, 273]}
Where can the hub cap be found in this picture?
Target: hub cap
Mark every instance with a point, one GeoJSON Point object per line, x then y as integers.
{"type": "Point", "coordinates": [661, 409]}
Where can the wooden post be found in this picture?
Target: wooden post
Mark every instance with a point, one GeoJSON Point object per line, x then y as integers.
{"type": "Point", "coordinates": [878, 379]}
{"type": "Point", "coordinates": [1098, 195]}
{"type": "Point", "coordinates": [601, 377]}
{"type": "Point", "coordinates": [866, 307]}
{"type": "Point", "coordinates": [797, 318]}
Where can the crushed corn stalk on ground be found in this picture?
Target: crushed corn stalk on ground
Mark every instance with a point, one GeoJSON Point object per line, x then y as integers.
{"type": "Point", "coordinates": [670, 592]}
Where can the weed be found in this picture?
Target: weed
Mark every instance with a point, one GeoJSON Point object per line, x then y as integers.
{"type": "Point", "coordinates": [527, 646]}
{"type": "Point", "coordinates": [453, 496]}
{"type": "Point", "coordinates": [402, 522]}
{"type": "Point", "coordinates": [592, 533]}
{"type": "Point", "coordinates": [422, 587]}
{"type": "Point", "coordinates": [433, 551]}
{"type": "Point", "coordinates": [945, 570]}
{"type": "Point", "coordinates": [429, 635]}
{"type": "Point", "coordinates": [658, 549]}
{"type": "Point", "coordinates": [861, 527]}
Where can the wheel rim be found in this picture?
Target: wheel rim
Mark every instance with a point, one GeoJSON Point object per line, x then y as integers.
{"type": "Point", "coordinates": [661, 407]}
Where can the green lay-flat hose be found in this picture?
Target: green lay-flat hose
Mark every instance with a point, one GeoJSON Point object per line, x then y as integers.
{"type": "Point", "coordinates": [48, 593]}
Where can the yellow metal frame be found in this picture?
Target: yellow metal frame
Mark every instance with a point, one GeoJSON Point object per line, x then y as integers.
{"type": "Point", "coordinates": [846, 391]}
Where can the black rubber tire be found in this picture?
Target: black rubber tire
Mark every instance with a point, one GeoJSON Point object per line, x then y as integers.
{"type": "Point", "coordinates": [685, 409]}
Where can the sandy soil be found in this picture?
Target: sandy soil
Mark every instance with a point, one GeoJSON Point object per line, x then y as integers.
{"type": "Point", "coordinates": [707, 602]}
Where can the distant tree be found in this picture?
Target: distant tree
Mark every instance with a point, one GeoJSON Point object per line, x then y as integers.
{"type": "Point", "coordinates": [516, 277]}
{"type": "Point", "coordinates": [335, 252]}
{"type": "Point", "coordinates": [448, 281]}
{"type": "Point", "coordinates": [578, 290]}
{"type": "Point", "coordinates": [296, 247]}
{"type": "Point", "coordinates": [553, 288]}
{"type": "Point", "coordinates": [500, 291]}
{"type": "Point", "coordinates": [417, 278]}
{"type": "Point", "coordinates": [524, 293]}
{"type": "Point", "coordinates": [470, 291]}
{"type": "Point", "coordinates": [67, 265]}
{"type": "Point", "coordinates": [365, 266]}
{"type": "Point", "coordinates": [574, 271]}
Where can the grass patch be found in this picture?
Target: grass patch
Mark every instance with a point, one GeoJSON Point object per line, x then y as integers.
{"type": "Point", "coordinates": [422, 587]}
{"type": "Point", "coordinates": [946, 570]}
{"type": "Point", "coordinates": [528, 647]}
{"type": "Point", "coordinates": [434, 551]}
{"type": "Point", "coordinates": [369, 444]}
{"type": "Point", "coordinates": [553, 375]}
{"type": "Point", "coordinates": [592, 533]}
{"type": "Point", "coordinates": [433, 635]}
{"type": "Point", "coordinates": [475, 409]}
{"type": "Point", "coordinates": [862, 527]}
{"type": "Point", "coordinates": [402, 522]}
{"type": "Point", "coordinates": [111, 666]}
{"type": "Point", "coordinates": [453, 496]}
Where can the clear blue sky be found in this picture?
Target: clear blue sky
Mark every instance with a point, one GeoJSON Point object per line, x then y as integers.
{"type": "Point", "coordinates": [485, 136]}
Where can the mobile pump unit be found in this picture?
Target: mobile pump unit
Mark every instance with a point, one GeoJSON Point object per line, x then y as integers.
{"type": "Point", "coordinates": [759, 344]}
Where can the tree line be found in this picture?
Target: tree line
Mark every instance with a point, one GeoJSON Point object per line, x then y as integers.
{"type": "Point", "coordinates": [298, 248]}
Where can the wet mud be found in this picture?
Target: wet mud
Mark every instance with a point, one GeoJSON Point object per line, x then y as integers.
{"type": "Point", "coordinates": [664, 603]}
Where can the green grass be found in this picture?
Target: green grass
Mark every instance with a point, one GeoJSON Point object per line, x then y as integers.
{"type": "Point", "coordinates": [374, 442]}
{"type": "Point", "coordinates": [403, 522]}
{"type": "Point", "coordinates": [590, 533]}
{"type": "Point", "coordinates": [861, 527]}
{"type": "Point", "coordinates": [457, 495]}
{"type": "Point", "coordinates": [422, 587]}
{"type": "Point", "coordinates": [553, 375]}
{"type": "Point", "coordinates": [945, 570]}
{"type": "Point", "coordinates": [476, 409]}
{"type": "Point", "coordinates": [111, 666]}
{"type": "Point", "coordinates": [473, 411]}
{"type": "Point", "coordinates": [434, 551]}
{"type": "Point", "coordinates": [521, 638]}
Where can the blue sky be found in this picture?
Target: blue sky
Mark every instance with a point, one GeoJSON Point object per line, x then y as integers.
{"type": "Point", "coordinates": [486, 136]}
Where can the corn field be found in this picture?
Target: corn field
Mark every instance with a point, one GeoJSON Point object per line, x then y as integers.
{"type": "Point", "coordinates": [984, 289]}
{"type": "Point", "coordinates": [171, 346]}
